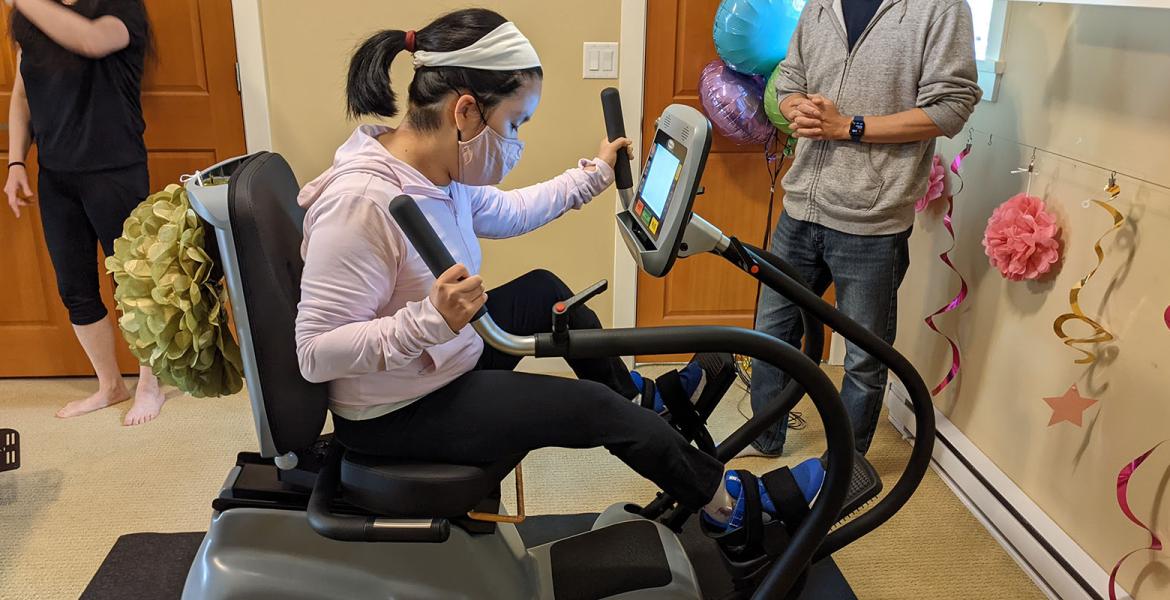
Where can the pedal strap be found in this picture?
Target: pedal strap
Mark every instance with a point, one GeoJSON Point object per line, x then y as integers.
{"type": "Point", "coordinates": [753, 514]}
{"type": "Point", "coordinates": [682, 412]}
{"type": "Point", "coordinates": [648, 393]}
{"type": "Point", "coordinates": [791, 507]}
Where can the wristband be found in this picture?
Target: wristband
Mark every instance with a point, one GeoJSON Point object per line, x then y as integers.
{"type": "Point", "coordinates": [16, 163]}
{"type": "Point", "coordinates": [857, 128]}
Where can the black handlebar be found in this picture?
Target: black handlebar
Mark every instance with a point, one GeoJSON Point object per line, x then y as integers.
{"type": "Point", "coordinates": [424, 239]}
{"type": "Point", "coordinates": [788, 567]}
{"type": "Point", "coordinates": [777, 275]}
{"type": "Point", "coordinates": [615, 127]}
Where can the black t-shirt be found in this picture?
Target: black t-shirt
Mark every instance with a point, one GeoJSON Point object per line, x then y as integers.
{"type": "Point", "coordinates": [858, 14]}
{"type": "Point", "coordinates": [87, 113]}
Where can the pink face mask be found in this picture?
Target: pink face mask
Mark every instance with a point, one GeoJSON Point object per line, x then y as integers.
{"type": "Point", "coordinates": [487, 158]}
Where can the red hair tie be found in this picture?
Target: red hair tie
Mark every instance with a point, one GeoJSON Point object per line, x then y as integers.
{"type": "Point", "coordinates": [410, 41]}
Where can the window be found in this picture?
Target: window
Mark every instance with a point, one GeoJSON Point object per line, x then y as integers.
{"type": "Point", "coordinates": [981, 14]}
{"type": "Point", "coordinates": [989, 18]}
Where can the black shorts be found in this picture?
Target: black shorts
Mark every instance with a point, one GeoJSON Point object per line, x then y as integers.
{"type": "Point", "coordinates": [79, 211]}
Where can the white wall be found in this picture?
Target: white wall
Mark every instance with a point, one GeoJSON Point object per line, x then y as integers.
{"type": "Point", "coordinates": [1092, 83]}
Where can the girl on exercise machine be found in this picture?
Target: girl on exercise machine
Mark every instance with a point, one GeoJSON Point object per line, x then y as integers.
{"type": "Point", "coordinates": [409, 377]}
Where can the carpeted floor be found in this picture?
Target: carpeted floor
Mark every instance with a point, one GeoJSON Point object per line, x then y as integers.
{"type": "Point", "coordinates": [86, 481]}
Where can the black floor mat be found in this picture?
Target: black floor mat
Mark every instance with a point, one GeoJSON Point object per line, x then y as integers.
{"type": "Point", "coordinates": [153, 566]}
{"type": "Point", "coordinates": [825, 580]}
{"type": "Point", "coordinates": [145, 566]}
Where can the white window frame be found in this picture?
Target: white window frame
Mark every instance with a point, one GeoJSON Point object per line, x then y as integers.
{"type": "Point", "coordinates": [991, 67]}
{"type": "Point", "coordinates": [1129, 3]}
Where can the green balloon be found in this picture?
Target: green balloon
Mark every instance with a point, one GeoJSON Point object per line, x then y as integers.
{"type": "Point", "coordinates": [772, 105]}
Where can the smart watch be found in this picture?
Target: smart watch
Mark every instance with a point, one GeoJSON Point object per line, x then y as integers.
{"type": "Point", "coordinates": [857, 128]}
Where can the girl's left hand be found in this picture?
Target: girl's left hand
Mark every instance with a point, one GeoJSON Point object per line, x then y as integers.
{"type": "Point", "coordinates": [608, 151]}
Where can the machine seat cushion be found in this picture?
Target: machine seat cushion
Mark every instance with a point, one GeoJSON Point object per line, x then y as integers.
{"type": "Point", "coordinates": [401, 488]}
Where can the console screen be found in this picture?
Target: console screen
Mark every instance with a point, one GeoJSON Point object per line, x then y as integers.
{"type": "Point", "coordinates": [659, 180]}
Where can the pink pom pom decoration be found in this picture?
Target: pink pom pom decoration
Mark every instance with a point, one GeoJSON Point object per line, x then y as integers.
{"type": "Point", "coordinates": [935, 190]}
{"type": "Point", "coordinates": [1022, 239]}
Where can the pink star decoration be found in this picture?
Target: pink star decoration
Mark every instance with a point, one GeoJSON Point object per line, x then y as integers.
{"type": "Point", "coordinates": [1069, 407]}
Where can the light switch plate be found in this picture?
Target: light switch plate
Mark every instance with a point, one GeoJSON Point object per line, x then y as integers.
{"type": "Point", "coordinates": [600, 60]}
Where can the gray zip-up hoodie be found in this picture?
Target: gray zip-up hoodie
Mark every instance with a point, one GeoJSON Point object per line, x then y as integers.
{"type": "Point", "coordinates": [913, 54]}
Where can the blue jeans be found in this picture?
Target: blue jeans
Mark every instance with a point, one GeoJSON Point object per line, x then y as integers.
{"type": "Point", "coordinates": [867, 271]}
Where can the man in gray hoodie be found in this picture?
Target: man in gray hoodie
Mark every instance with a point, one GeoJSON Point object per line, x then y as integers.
{"type": "Point", "coordinates": [867, 86]}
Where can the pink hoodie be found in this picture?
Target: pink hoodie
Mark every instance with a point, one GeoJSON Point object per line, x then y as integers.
{"type": "Point", "coordinates": [365, 321]}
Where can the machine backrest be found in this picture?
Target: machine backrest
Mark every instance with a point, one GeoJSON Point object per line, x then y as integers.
{"type": "Point", "coordinates": [267, 226]}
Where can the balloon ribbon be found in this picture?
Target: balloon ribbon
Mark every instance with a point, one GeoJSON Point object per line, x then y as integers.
{"type": "Point", "coordinates": [1123, 501]}
{"type": "Point", "coordinates": [1100, 334]}
{"type": "Point", "coordinates": [946, 258]}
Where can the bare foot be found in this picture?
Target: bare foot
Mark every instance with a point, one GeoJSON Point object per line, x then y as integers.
{"type": "Point", "coordinates": [148, 402]}
{"type": "Point", "coordinates": [98, 401]}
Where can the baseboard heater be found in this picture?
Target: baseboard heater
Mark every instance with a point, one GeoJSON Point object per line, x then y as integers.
{"type": "Point", "coordinates": [1056, 563]}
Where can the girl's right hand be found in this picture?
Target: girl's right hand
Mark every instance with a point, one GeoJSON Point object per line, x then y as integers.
{"type": "Point", "coordinates": [17, 189]}
{"type": "Point", "coordinates": [458, 295]}
{"type": "Point", "coordinates": [609, 150]}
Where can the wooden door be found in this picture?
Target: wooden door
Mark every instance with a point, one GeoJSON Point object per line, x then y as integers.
{"type": "Point", "coordinates": [702, 290]}
{"type": "Point", "coordinates": [193, 119]}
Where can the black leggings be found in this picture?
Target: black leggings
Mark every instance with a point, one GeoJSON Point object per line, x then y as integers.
{"type": "Point", "coordinates": [493, 413]}
{"type": "Point", "coordinates": [78, 211]}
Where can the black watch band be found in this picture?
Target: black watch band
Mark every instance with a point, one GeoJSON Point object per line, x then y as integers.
{"type": "Point", "coordinates": [857, 128]}
{"type": "Point", "coordinates": [16, 163]}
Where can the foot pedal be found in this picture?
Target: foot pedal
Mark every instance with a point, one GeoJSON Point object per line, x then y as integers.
{"type": "Point", "coordinates": [864, 485]}
{"type": "Point", "coordinates": [691, 419]}
{"type": "Point", "coordinates": [9, 450]}
{"type": "Point", "coordinates": [719, 370]}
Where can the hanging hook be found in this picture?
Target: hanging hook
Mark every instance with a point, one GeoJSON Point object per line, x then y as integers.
{"type": "Point", "coordinates": [989, 137]}
{"type": "Point", "coordinates": [1030, 169]}
{"type": "Point", "coordinates": [970, 135]}
{"type": "Point", "coordinates": [1111, 187]}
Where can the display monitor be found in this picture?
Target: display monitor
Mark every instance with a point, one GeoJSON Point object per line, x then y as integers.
{"type": "Point", "coordinates": [659, 179]}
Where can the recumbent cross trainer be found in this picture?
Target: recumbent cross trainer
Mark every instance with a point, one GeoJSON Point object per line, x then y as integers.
{"type": "Point", "coordinates": [306, 518]}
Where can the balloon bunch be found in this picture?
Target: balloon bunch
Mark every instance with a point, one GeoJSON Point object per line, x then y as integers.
{"type": "Point", "coordinates": [751, 38]}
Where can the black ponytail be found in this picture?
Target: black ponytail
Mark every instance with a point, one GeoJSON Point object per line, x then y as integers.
{"type": "Point", "coordinates": [368, 91]}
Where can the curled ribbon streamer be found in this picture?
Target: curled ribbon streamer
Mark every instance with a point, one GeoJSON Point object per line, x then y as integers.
{"type": "Point", "coordinates": [1123, 478]}
{"type": "Point", "coordinates": [948, 222]}
{"type": "Point", "coordinates": [1100, 334]}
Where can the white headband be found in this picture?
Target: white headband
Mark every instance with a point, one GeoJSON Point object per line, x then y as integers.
{"type": "Point", "coordinates": [504, 49]}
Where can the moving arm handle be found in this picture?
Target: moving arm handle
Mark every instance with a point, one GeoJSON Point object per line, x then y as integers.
{"type": "Point", "coordinates": [615, 127]}
{"type": "Point", "coordinates": [438, 259]}
{"type": "Point", "coordinates": [424, 239]}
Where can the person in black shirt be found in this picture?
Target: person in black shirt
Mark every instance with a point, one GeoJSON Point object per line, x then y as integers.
{"type": "Point", "coordinates": [77, 95]}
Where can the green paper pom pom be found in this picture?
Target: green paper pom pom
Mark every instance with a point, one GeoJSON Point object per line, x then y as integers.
{"type": "Point", "coordinates": [173, 316]}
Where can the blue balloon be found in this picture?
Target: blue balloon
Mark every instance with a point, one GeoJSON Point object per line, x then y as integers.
{"type": "Point", "coordinates": [752, 36]}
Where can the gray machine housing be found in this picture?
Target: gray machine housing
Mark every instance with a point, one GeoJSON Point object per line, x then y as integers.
{"type": "Point", "coordinates": [689, 128]}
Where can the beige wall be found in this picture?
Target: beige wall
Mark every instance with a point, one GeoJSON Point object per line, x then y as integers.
{"type": "Point", "coordinates": [1091, 83]}
{"type": "Point", "coordinates": [307, 44]}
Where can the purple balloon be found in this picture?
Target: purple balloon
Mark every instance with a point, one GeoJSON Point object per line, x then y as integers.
{"type": "Point", "coordinates": [735, 104]}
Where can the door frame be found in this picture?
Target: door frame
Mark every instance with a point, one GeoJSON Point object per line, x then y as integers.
{"type": "Point", "coordinates": [252, 72]}
{"type": "Point", "coordinates": [631, 84]}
